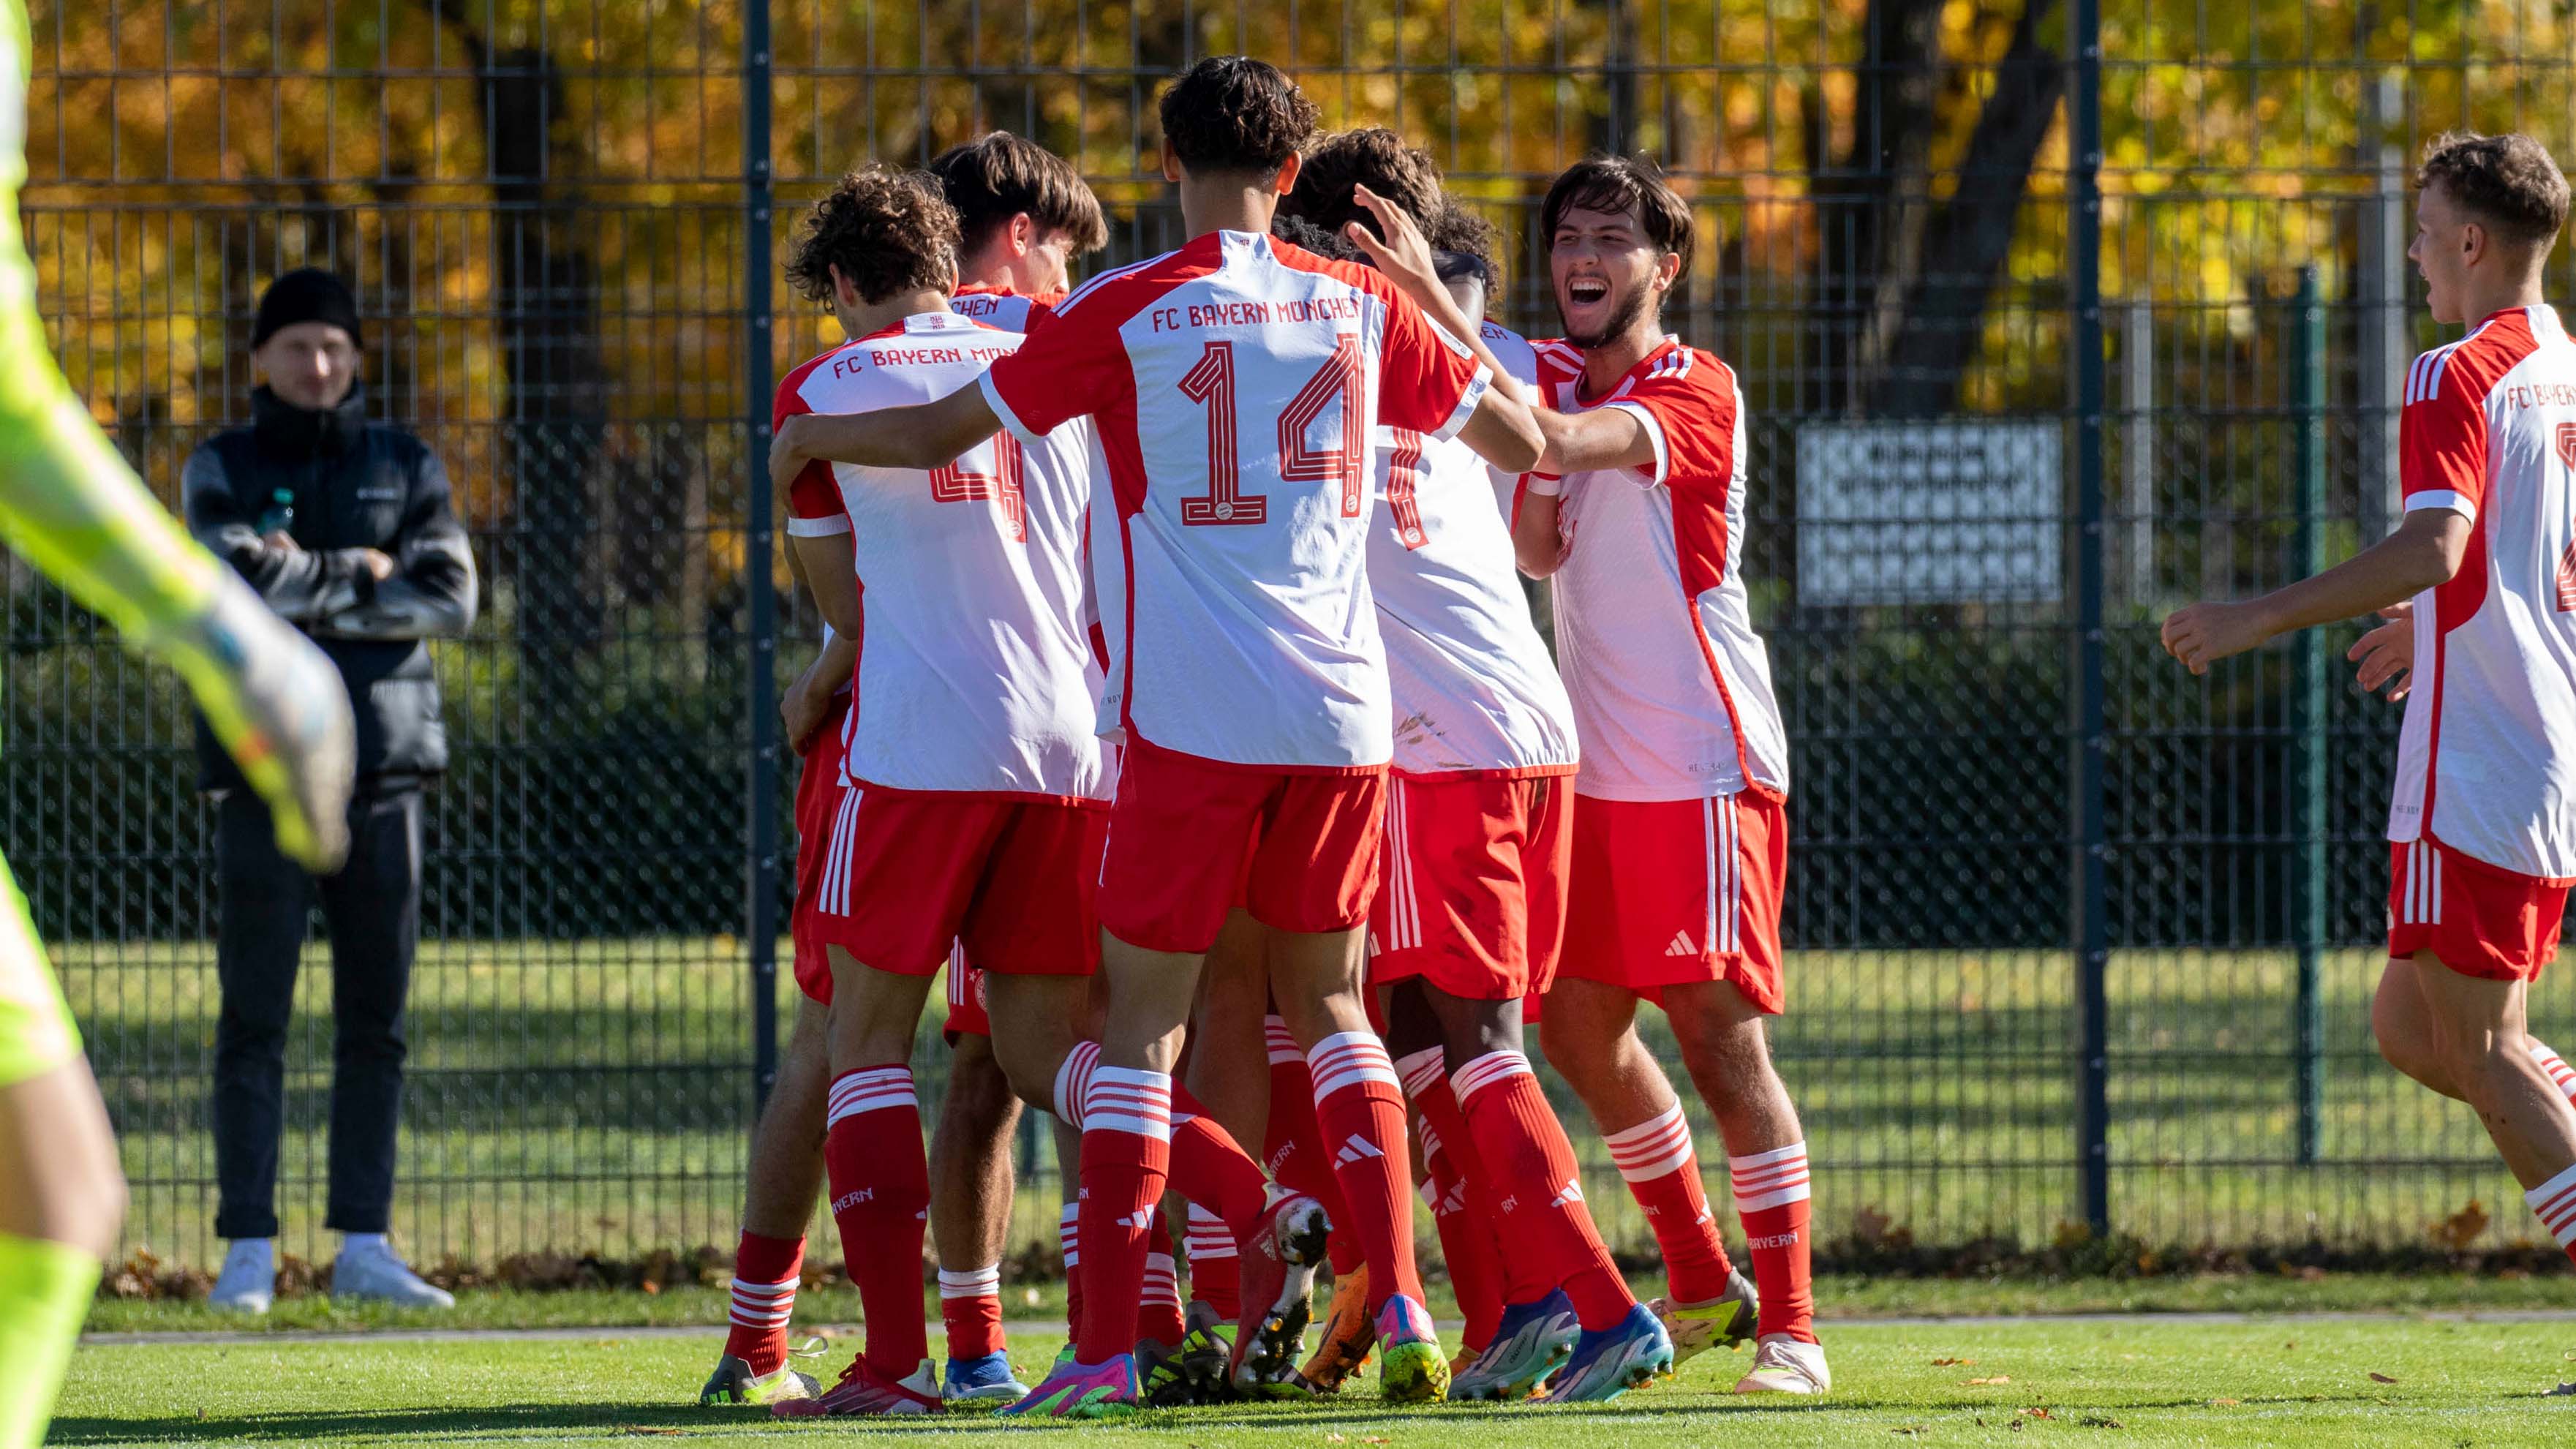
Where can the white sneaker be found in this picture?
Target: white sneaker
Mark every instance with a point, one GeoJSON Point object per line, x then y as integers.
{"type": "Point", "coordinates": [248, 1283]}
{"type": "Point", "coordinates": [1785, 1365]}
{"type": "Point", "coordinates": [375, 1273]}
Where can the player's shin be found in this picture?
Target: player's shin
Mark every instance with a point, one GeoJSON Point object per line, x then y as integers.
{"type": "Point", "coordinates": [765, 1275]}
{"type": "Point", "coordinates": [1661, 1168]}
{"type": "Point", "coordinates": [45, 1288]}
{"type": "Point", "coordinates": [879, 1179]}
{"type": "Point", "coordinates": [1360, 1105]}
{"type": "Point", "coordinates": [1126, 1160]}
{"type": "Point", "coordinates": [1519, 1142]}
{"type": "Point", "coordinates": [1771, 1197]}
{"type": "Point", "coordinates": [1523, 1278]}
{"type": "Point", "coordinates": [1475, 1261]}
{"type": "Point", "coordinates": [1293, 1142]}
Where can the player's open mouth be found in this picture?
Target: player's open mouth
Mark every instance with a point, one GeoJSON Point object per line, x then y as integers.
{"type": "Point", "coordinates": [1584, 291]}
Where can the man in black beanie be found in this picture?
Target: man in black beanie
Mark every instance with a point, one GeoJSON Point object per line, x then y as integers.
{"type": "Point", "coordinates": [346, 530]}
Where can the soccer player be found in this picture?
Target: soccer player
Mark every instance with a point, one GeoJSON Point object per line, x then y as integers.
{"type": "Point", "coordinates": [1234, 383]}
{"type": "Point", "coordinates": [1681, 823]}
{"type": "Point", "coordinates": [1023, 214]}
{"type": "Point", "coordinates": [1479, 831]}
{"type": "Point", "coordinates": [2482, 826]}
{"type": "Point", "coordinates": [70, 506]}
{"type": "Point", "coordinates": [975, 778]}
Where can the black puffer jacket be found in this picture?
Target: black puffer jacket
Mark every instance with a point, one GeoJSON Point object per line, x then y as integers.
{"type": "Point", "coordinates": [353, 486]}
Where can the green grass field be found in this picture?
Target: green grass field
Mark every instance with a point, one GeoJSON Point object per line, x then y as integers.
{"type": "Point", "coordinates": [595, 1096]}
{"type": "Point", "coordinates": [2285, 1381]}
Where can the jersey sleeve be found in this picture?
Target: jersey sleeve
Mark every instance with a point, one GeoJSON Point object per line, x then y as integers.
{"type": "Point", "coordinates": [1068, 368]}
{"type": "Point", "coordinates": [814, 506]}
{"type": "Point", "coordinates": [1426, 381]}
{"type": "Point", "coordinates": [2442, 438]}
{"type": "Point", "coordinates": [1692, 418]}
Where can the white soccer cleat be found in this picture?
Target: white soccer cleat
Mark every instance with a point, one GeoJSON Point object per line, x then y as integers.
{"type": "Point", "coordinates": [1785, 1365]}
{"type": "Point", "coordinates": [248, 1283]}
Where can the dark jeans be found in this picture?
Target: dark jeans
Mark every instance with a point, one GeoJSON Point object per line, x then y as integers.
{"type": "Point", "coordinates": [373, 910]}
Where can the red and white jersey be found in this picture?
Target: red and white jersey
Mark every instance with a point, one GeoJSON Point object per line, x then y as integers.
{"type": "Point", "coordinates": [1234, 384]}
{"type": "Point", "coordinates": [1654, 632]}
{"type": "Point", "coordinates": [1475, 692]}
{"type": "Point", "coordinates": [975, 669]}
{"type": "Point", "coordinates": [1001, 307]}
{"type": "Point", "coordinates": [2486, 764]}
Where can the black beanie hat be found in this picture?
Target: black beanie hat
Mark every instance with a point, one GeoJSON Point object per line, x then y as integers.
{"type": "Point", "coordinates": [307, 294]}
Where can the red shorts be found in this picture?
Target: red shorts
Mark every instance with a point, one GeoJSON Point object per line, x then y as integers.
{"type": "Point", "coordinates": [1187, 833]}
{"type": "Point", "coordinates": [911, 874]}
{"type": "Point", "coordinates": [1473, 895]}
{"type": "Point", "coordinates": [965, 999]}
{"type": "Point", "coordinates": [1668, 892]}
{"type": "Point", "coordinates": [818, 789]}
{"type": "Point", "coordinates": [2477, 919]}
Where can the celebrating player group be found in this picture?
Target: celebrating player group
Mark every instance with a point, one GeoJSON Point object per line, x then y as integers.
{"type": "Point", "coordinates": [1183, 703]}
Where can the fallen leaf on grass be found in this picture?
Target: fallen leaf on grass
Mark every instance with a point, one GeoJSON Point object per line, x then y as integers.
{"type": "Point", "coordinates": [1989, 1383]}
{"type": "Point", "coordinates": [2225, 1403]}
{"type": "Point", "coordinates": [1373, 1439]}
{"type": "Point", "coordinates": [1909, 1429]}
{"type": "Point", "coordinates": [1334, 1439]}
{"type": "Point", "coordinates": [2380, 1378]}
{"type": "Point", "coordinates": [2096, 1421]}
{"type": "Point", "coordinates": [1952, 1362]}
{"type": "Point", "coordinates": [2037, 1414]}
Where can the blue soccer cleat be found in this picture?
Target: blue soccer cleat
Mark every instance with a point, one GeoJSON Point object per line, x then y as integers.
{"type": "Point", "coordinates": [1531, 1342]}
{"type": "Point", "coordinates": [1610, 1363]}
{"type": "Point", "coordinates": [985, 1382]}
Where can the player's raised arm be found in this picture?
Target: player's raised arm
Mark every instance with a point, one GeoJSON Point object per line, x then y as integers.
{"type": "Point", "coordinates": [926, 435]}
{"type": "Point", "coordinates": [1501, 429]}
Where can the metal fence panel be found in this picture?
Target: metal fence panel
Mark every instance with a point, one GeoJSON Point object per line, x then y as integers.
{"type": "Point", "coordinates": [2019, 828]}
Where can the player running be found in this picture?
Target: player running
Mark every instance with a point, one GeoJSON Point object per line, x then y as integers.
{"type": "Point", "coordinates": [1234, 383]}
{"type": "Point", "coordinates": [70, 506]}
{"type": "Point", "coordinates": [2482, 824]}
{"type": "Point", "coordinates": [1023, 213]}
{"type": "Point", "coordinates": [1681, 822]}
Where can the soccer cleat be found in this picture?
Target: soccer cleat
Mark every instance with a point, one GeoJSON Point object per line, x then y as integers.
{"type": "Point", "coordinates": [865, 1393]}
{"type": "Point", "coordinates": [1615, 1360]}
{"type": "Point", "coordinates": [248, 1282]}
{"type": "Point", "coordinates": [1278, 1266]}
{"type": "Point", "coordinates": [1192, 1371]}
{"type": "Point", "coordinates": [1725, 1322]}
{"type": "Point", "coordinates": [1086, 1391]}
{"type": "Point", "coordinates": [1531, 1342]}
{"type": "Point", "coordinates": [733, 1382]}
{"type": "Point", "coordinates": [1348, 1335]}
{"type": "Point", "coordinates": [1410, 1367]}
{"type": "Point", "coordinates": [1785, 1365]}
{"type": "Point", "coordinates": [981, 1383]}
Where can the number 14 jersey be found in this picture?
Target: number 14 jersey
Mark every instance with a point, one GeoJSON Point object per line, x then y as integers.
{"type": "Point", "coordinates": [1234, 385]}
{"type": "Point", "coordinates": [975, 672]}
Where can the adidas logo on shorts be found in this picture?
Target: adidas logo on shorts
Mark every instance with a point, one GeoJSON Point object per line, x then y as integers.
{"type": "Point", "coordinates": [1681, 945]}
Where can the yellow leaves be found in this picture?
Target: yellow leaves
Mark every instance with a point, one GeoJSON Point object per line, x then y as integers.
{"type": "Point", "coordinates": [2461, 1229]}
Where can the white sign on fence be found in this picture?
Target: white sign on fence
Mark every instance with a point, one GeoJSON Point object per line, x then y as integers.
{"type": "Point", "coordinates": [1930, 512]}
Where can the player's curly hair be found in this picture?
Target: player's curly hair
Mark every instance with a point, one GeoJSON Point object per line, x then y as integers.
{"type": "Point", "coordinates": [1468, 237]}
{"type": "Point", "coordinates": [1232, 113]}
{"type": "Point", "coordinates": [998, 176]}
{"type": "Point", "coordinates": [1621, 184]}
{"type": "Point", "coordinates": [1371, 156]}
{"type": "Point", "coordinates": [889, 231]}
{"type": "Point", "coordinates": [1297, 231]}
{"type": "Point", "coordinates": [2509, 182]}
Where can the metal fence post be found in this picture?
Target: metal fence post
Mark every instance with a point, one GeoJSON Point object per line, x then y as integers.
{"type": "Point", "coordinates": [2308, 708]}
{"type": "Point", "coordinates": [761, 688]}
{"type": "Point", "coordinates": [2089, 777]}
